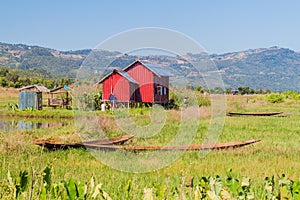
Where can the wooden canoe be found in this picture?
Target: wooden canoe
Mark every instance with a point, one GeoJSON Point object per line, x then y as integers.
{"type": "Point", "coordinates": [109, 141]}
{"type": "Point", "coordinates": [217, 146]}
{"type": "Point", "coordinates": [254, 114]}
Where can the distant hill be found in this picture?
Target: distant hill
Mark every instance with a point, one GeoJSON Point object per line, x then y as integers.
{"type": "Point", "coordinates": [56, 62]}
{"type": "Point", "coordinates": [271, 68]}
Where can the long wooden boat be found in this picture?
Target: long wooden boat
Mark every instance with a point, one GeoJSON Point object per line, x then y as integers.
{"type": "Point", "coordinates": [109, 141]}
{"type": "Point", "coordinates": [254, 114]}
{"type": "Point", "coordinates": [217, 146]}
{"type": "Point", "coordinates": [114, 144]}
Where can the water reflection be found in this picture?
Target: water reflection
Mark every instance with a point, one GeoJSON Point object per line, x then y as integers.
{"type": "Point", "coordinates": [12, 124]}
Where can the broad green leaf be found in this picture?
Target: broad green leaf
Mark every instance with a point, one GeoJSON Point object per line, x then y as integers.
{"type": "Point", "coordinates": [250, 195]}
{"type": "Point", "coordinates": [232, 182]}
{"type": "Point", "coordinates": [215, 184]}
{"type": "Point", "coordinates": [85, 191]}
{"type": "Point", "coordinates": [225, 195]}
{"type": "Point", "coordinates": [43, 195]}
{"type": "Point", "coordinates": [105, 195]}
{"type": "Point", "coordinates": [285, 193]}
{"type": "Point", "coordinates": [148, 194]}
{"type": "Point", "coordinates": [23, 180]}
{"type": "Point", "coordinates": [97, 191]}
{"type": "Point", "coordinates": [9, 178]}
{"type": "Point", "coordinates": [160, 190]}
{"type": "Point", "coordinates": [213, 196]}
{"type": "Point", "coordinates": [283, 180]}
{"type": "Point", "coordinates": [79, 190]}
{"type": "Point", "coordinates": [246, 182]}
{"type": "Point", "coordinates": [47, 177]}
{"type": "Point", "coordinates": [71, 189]}
{"type": "Point", "coordinates": [128, 187]}
{"type": "Point", "coordinates": [296, 189]}
{"type": "Point", "coordinates": [18, 190]}
{"type": "Point", "coordinates": [197, 193]}
{"type": "Point", "coordinates": [92, 184]}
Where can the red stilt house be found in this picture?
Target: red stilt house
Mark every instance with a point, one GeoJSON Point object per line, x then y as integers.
{"type": "Point", "coordinates": [153, 82]}
{"type": "Point", "coordinates": [119, 85]}
{"type": "Point", "coordinates": [138, 82]}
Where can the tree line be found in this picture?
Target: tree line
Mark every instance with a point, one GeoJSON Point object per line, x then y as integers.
{"type": "Point", "coordinates": [19, 78]}
{"type": "Point", "coordinates": [240, 90]}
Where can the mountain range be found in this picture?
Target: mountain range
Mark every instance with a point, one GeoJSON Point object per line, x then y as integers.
{"type": "Point", "coordinates": [271, 68]}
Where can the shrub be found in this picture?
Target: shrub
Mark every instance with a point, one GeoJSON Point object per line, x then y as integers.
{"type": "Point", "coordinates": [19, 187]}
{"type": "Point", "coordinates": [203, 100]}
{"type": "Point", "coordinates": [176, 100]}
{"type": "Point", "coordinates": [13, 106]}
{"type": "Point", "coordinates": [292, 95]}
{"type": "Point", "coordinates": [275, 98]}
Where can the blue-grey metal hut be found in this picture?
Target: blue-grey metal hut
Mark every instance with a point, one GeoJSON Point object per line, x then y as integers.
{"type": "Point", "coordinates": [32, 97]}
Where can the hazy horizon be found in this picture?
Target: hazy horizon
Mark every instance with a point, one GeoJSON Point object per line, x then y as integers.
{"type": "Point", "coordinates": [219, 26]}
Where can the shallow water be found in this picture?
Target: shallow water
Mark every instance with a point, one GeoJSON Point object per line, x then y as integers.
{"type": "Point", "coordinates": [11, 124]}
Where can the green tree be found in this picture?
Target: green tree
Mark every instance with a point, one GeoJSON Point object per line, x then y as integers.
{"type": "Point", "coordinates": [244, 90]}
{"type": "Point", "coordinates": [24, 81]}
{"type": "Point", "coordinates": [228, 90]}
{"type": "Point", "coordinates": [218, 90]}
{"type": "Point", "coordinates": [3, 71]}
{"type": "Point", "coordinates": [199, 89]}
{"type": "Point", "coordinates": [3, 82]}
{"type": "Point", "coordinates": [12, 77]}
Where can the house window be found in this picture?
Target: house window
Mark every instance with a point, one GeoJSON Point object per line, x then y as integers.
{"type": "Point", "coordinates": [165, 91]}
{"type": "Point", "coordinates": [159, 90]}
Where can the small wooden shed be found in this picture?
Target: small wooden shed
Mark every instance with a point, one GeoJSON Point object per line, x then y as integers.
{"type": "Point", "coordinates": [60, 96]}
{"type": "Point", "coordinates": [32, 97]}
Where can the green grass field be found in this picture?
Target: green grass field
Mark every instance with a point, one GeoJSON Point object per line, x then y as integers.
{"type": "Point", "coordinates": [276, 154]}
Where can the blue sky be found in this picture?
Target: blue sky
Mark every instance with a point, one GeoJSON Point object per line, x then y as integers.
{"type": "Point", "coordinates": [219, 26]}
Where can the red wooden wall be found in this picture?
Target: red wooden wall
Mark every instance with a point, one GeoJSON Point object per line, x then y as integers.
{"type": "Point", "coordinates": [145, 79]}
{"type": "Point", "coordinates": [151, 88]}
{"type": "Point", "coordinates": [119, 86]}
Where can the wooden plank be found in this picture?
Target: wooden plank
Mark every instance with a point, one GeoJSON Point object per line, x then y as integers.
{"type": "Point", "coordinates": [254, 114]}
{"type": "Point", "coordinates": [218, 146]}
{"type": "Point", "coordinates": [115, 144]}
{"type": "Point", "coordinates": [54, 146]}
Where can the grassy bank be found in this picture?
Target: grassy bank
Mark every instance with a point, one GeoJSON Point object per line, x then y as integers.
{"type": "Point", "coordinates": [275, 155]}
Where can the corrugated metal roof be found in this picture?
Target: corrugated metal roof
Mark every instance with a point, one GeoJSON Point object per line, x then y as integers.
{"type": "Point", "coordinates": [122, 73]}
{"type": "Point", "coordinates": [58, 88]}
{"type": "Point", "coordinates": [40, 88]}
{"type": "Point", "coordinates": [102, 79]}
{"type": "Point", "coordinates": [157, 69]}
{"type": "Point", "coordinates": [67, 87]}
{"type": "Point", "coordinates": [55, 89]}
{"type": "Point", "coordinates": [127, 76]}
